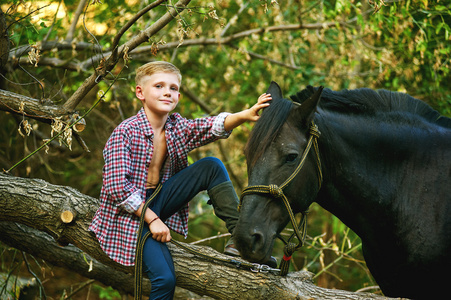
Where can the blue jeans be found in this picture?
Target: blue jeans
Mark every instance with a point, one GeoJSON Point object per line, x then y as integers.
{"type": "Point", "coordinates": [175, 193]}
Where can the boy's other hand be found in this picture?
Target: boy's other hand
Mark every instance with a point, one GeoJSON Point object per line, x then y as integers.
{"type": "Point", "coordinates": [160, 232]}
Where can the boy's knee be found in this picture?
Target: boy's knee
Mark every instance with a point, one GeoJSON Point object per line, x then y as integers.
{"type": "Point", "coordinates": [213, 171]}
{"type": "Point", "coordinates": [219, 166]}
{"type": "Point", "coordinates": [212, 161]}
{"type": "Point", "coordinates": [216, 163]}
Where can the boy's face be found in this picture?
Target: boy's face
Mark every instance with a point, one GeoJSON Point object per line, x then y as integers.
{"type": "Point", "coordinates": [159, 93]}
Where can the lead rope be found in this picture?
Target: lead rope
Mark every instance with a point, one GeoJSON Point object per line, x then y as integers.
{"type": "Point", "coordinates": [140, 245]}
{"type": "Point", "coordinates": [275, 191]}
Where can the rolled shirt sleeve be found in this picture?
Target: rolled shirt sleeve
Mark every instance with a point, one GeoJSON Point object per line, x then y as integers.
{"type": "Point", "coordinates": [218, 125]}
{"type": "Point", "coordinates": [133, 202]}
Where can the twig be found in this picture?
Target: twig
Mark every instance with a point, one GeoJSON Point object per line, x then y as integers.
{"type": "Point", "coordinates": [337, 259]}
{"type": "Point", "coordinates": [82, 286]}
{"type": "Point", "coordinates": [53, 23]}
{"type": "Point", "coordinates": [129, 24]}
{"type": "Point", "coordinates": [90, 33]}
{"type": "Point", "coordinates": [81, 142]}
{"type": "Point", "coordinates": [187, 92]}
{"type": "Point", "coordinates": [24, 17]}
{"type": "Point", "coordinates": [210, 238]}
{"type": "Point", "coordinates": [10, 272]}
{"type": "Point", "coordinates": [40, 84]}
{"type": "Point", "coordinates": [41, 288]}
{"type": "Point", "coordinates": [73, 25]}
{"type": "Point", "coordinates": [234, 18]}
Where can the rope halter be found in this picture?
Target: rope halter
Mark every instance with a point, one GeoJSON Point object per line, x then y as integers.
{"type": "Point", "coordinates": [276, 192]}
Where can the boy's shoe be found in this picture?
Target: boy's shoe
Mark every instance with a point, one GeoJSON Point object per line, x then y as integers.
{"type": "Point", "coordinates": [230, 249]}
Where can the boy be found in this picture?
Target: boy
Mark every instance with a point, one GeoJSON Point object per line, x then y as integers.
{"type": "Point", "coordinates": [152, 148]}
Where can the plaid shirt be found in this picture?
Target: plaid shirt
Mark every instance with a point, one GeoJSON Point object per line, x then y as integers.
{"type": "Point", "coordinates": [127, 155]}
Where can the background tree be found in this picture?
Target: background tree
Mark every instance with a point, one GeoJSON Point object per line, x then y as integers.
{"type": "Point", "coordinates": [60, 60]}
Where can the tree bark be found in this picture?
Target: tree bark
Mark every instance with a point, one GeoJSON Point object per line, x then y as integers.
{"type": "Point", "coordinates": [38, 205]}
{"type": "Point", "coordinates": [32, 108]}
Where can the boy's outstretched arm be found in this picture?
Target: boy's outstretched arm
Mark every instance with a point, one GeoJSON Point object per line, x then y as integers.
{"type": "Point", "coordinates": [251, 114]}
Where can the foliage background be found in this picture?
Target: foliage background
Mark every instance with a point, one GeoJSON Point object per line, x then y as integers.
{"type": "Point", "coordinates": [397, 45]}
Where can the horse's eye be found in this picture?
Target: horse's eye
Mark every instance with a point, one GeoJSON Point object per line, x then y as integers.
{"type": "Point", "coordinates": [291, 157]}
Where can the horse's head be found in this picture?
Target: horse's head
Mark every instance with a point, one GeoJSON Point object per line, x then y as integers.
{"type": "Point", "coordinates": [274, 152]}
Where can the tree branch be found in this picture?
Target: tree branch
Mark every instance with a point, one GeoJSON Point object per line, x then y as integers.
{"type": "Point", "coordinates": [73, 25]}
{"type": "Point", "coordinates": [55, 62]}
{"type": "Point", "coordinates": [145, 35]}
{"type": "Point", "coordinates": [36, 109]}
{"type": "Point", "coordinates": [225, 40]}
{"type": "Point", "coordinates": [16, 53]}
{"type": "Point", "coordinates": [129, 24]}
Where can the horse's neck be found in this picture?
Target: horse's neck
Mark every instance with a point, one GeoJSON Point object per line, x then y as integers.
{"type": "Point", "coordinates": [365, 169]}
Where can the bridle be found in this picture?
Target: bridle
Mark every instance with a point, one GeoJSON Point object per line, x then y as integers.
{"type": "Point", "coordinates": [277, 192]}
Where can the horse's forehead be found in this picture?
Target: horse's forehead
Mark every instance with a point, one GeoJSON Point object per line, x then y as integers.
{"type": "Point", "coordinates": [264, 164]}
{"type": "Point", "coordinates": [290, 132]}
{"type": "Point", "coordinates": [289, 138]}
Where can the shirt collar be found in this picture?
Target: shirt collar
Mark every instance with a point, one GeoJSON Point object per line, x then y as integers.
{"type": "Point", "coordinates": [147, 127]}
{"type": "Point", "coordinates": [169, 122]}
{"type": "Point", "coordinates": [144, 123]}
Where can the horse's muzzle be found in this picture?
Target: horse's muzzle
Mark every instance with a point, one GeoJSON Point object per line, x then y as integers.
{"type": "Point", "coordinates": [253, 243]}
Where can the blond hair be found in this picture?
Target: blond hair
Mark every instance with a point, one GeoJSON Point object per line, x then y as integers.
{"type": "Point", "coordinates": [153, 67]}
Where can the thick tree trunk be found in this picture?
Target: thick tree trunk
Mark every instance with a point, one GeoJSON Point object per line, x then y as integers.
{"type": "Point", "coordinates": [44, 207]}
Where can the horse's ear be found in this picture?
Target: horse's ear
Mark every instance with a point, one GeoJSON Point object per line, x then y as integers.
{"type": "Point", "coordinates": [306, 111]}
{"type": "Point", "coordinates": [275, 91]}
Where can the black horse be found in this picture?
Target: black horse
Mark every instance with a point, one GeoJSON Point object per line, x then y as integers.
{"type": "Point", "coordinates": [385, 158]}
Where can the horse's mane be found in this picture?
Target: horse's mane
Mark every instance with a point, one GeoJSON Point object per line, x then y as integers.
{"type": "Point", "coordinates": [267, 128]}
{"type": "Point", "coordinates": [369, 102]}
{"type": "Point", "coordinates": [362, 101]}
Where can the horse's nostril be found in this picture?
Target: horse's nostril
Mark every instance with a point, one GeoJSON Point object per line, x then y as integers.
{"type": "Point", "coordinates": [257, 241]}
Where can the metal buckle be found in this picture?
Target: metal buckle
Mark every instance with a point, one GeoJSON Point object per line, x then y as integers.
{"type": "Point", "coordinates": [257, 268]}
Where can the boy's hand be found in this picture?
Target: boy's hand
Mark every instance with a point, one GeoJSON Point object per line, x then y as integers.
{"type": "Point", "coordinates": [262, 102]}
{"type": "Point", "coordinates": [251, 114]}
{"type": "Point", "coordinates": [160, 231]}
